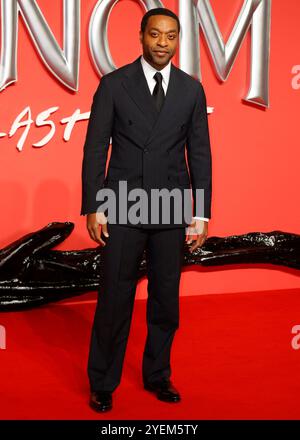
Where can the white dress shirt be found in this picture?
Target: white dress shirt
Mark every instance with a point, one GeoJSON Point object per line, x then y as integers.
{"type": "Point", "coordinates": [149, 72]}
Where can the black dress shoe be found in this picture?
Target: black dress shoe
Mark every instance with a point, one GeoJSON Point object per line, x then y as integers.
{"type": "Point", "coordinates": [164, 390]}
{"type": "Point", "coordinates": [101, 400]}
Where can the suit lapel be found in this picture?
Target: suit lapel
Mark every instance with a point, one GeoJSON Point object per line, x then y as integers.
{"type": "Point", "coordinates": [137, 87]}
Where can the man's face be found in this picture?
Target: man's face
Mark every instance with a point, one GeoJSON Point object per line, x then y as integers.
{"type": "Point", "coordinates": [159, 40]}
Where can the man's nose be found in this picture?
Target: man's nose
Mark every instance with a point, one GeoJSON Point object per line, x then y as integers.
{"type": "Point", "coordinates": [163, 41]}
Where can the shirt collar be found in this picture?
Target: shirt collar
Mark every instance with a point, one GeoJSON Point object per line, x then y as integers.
{"type": "Point", "coordinates": [149, 70]}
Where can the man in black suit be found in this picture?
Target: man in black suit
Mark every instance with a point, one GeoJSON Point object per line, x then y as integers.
{"type": "Point", "coordinates": [151, 110]}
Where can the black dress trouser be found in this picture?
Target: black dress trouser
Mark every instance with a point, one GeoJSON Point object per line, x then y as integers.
{"type": "Point", "coordinates": [121, 259]}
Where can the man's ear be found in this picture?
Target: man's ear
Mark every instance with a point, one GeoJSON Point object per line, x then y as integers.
{"type": "Point", "coordinates": [141, 36]}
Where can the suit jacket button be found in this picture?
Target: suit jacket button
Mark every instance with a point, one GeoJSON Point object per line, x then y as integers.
{"type": "Point", "coordinates": [146, 150]}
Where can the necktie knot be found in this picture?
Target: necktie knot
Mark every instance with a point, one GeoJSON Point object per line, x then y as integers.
{"type": "Point", "coordinates": [158, 77]}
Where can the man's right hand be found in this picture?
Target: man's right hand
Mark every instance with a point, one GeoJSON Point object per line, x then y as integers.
{"type": "Point", "coordinates": [92, 223]}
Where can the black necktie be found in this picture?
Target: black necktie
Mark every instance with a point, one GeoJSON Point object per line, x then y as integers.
{"type": "Point", "coordinates": [158, 92]}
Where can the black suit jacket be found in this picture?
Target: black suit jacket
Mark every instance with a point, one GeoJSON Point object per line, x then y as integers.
{"type": "Point", "coordinates": [148, 147]}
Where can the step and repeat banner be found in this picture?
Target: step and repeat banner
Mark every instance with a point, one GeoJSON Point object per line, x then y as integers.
{"type": "Point", "coordinates": [246, 54]}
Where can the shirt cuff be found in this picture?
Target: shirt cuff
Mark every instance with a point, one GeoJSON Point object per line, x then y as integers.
{"type": "Point", "coordinates": [202, 218]}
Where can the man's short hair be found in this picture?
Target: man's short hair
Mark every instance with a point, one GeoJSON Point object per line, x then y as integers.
{"type": "Point", "coordinates": [158, 11]}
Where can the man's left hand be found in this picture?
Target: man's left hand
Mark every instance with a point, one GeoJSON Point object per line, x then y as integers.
{"type": "Point", "coordinates": [197, 233]}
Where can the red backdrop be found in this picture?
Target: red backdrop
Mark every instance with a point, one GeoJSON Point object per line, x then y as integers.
{"type": "Point", "coordinates": [255, 151]}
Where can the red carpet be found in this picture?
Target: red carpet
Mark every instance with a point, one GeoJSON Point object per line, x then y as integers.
{"type": "Point", "coordinates": [232, 359]}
